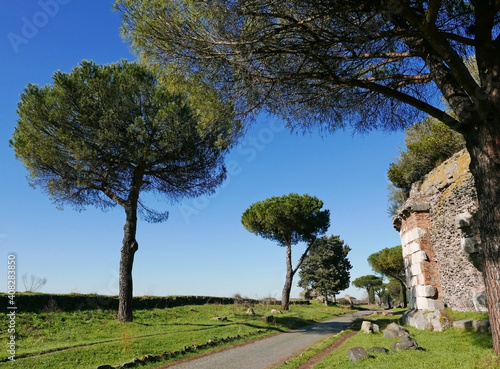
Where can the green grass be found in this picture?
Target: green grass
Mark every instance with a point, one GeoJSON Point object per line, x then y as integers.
{"type": "Point", "coordinates": [460, 315]}
{"type": "Point", "coordinates": [86, 339]}
{"type": "Point", "coordinates": [452, 349]}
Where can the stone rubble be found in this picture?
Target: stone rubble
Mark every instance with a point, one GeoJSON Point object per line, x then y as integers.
{"type": "Point", "coordinates": [392, 331]}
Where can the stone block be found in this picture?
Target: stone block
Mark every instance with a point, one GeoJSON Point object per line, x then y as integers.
{"type": "Point", "coordinates": [419, 321]}
{"type": "Point", "coordinates": [418, 257]}
{"type": "Point", "coordinates": [366, 327]}
{"type": "Point", "coordinates": [439, 323]}
{"type": "Point", "coordinates": [435, 305]}
{"type": "Point", "coordinates": [424, 303]}
{"type": "Point", "coordinates": [426, 291]}
{"type": "Point", "coordinates": [421, 206]}
{"type": "Point", "coordinates": [405, 344]}
{"type": "Point", "coordinates": [411, 248]}
{"type": "Point", "coordinates": [416, 269]}
{"type": "Point", "coordinates": [412, 235]}
{"type": "Point", "coordinates": [481, 325]}
{"type": "Point", "coordinates": [463, 324]}
{"type": "Point", "coordinates": [382, 350]}
{"type": "Point", "coordinates": [416, 280]}
{"type": "Point", "coordinates": [394, 330]}
{"type": "Point", "coordinates": [357, 353]}
{"type": "Point", "coordinates": [268, 318]}
{"type": "Point", "coordinates": [426, 320]}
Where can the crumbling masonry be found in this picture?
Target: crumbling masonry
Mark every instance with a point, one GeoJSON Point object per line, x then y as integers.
{"type": "Point", "coordinates": [440, 245]}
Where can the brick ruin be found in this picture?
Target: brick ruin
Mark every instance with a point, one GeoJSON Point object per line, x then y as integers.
{"type": "Point", "coordinates": [439, 242]}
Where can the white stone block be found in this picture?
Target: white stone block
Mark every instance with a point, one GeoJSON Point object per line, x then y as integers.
{"type": "Point", "coordinates": [411, 248]}
{"type": "Point", "coordinates": [412, 235]}
{"type": "Point", "coordinates": [416, 269]}
{"type": "Point", "coordinates": [421, 303]}
{"type": "Point", "coordinates": [426, 291]}
{"type": "Point", "coordinates": [435, 305]}
{"type": "Point", "coordinates": [413, 281]}
{"type": "Point", "coordinates": [424, 303]}
{"type": "Point", "coordinates": [419, 257]}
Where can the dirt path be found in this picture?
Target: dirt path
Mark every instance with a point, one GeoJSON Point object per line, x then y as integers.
{"type": "Point", "coordinates": [272, 351]}
{"type": "Point", "coordinates": [317, 358]}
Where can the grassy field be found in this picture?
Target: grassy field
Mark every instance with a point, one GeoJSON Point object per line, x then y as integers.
{"type": "Point", "coordinates": [450, 349]}
{"type": "Point", "coordinates": [86, 339]}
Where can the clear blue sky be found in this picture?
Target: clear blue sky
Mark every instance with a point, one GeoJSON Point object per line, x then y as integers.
{"type": "Point", "coordinates": [202, 249]}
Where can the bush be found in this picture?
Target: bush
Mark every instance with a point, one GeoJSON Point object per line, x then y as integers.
{"type": "Point", "coordinates": [428, 143]}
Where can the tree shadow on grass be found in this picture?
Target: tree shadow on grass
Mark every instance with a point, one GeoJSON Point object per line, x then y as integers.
{"type": "Point", "coordinates": [480, 339]}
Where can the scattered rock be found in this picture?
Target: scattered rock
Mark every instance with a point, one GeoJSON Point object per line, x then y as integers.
{"type": "Point", "coordinates": [481, 325]}
{"type": "Point", "coordinates": [268, 318]}
{"type": "Point", "coordinates": [220, 318]}
{"type": "Point", "coordinates": [369, 327]}
{"type": "Point", "coordinates": [426, 320]}
{"type": "Point", "coordinates": [406, 343]}
{"type": "Point", "coordinates": [357, 353]}
{"type": "Point", "coordinates": [463, 324]}
{"type": "Point", "coordinates": [366, 327]}
{"type": "Point", "coordinates": [379, 349]}
{"type": "Point", "coordinates": [149, 358]}
{"type": "Point", "coordinates": [250, 312]}
{"type": "Point", "coordinates": [276, 311]}
{"type": "Point", "coordinates": [394, 330]}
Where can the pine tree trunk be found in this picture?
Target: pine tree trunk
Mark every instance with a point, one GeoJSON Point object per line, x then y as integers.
{"type": "Point", "coordinates": [285, 296]}
{"type": "Point", "coordinates": [484, 149]}
{"type": "Point", "coordinates": [128, 250]}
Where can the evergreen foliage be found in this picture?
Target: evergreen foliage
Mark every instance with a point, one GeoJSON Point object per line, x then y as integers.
{"type": "Point", "coordinates": [104, 135]}
{"type": "Point", "coordinates": [326, 64]}
{"type": "Point", "coordinates": [326, 269]}
{"type": "Point", "coordinates": [389, 262]}
{"type": "Point", "coordinates": [369, 283]}
{"type": "Point", "coordinates": [288, 220]}
{"type": "Point", "coordinates": [428, 143]}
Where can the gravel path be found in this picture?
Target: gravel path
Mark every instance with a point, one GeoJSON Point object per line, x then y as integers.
{"type": "Point", "coordinates": [271, 351]}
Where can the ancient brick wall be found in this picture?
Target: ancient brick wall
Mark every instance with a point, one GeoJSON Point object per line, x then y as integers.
{"type": "Point", "coordinates": [438, 238]}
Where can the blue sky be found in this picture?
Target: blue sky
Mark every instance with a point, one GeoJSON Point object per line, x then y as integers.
{"type": "Point", "coordinates": [202, 249]}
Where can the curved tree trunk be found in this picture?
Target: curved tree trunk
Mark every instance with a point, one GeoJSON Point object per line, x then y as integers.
{"type": "Point", "coordinates": [128, 250]}
{"type": "Point", "coordinates": [484, 149]}
{"type": "Point", "coordinates": [285, 295]}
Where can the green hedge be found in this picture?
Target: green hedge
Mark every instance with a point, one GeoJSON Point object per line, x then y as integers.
{"type": "Point", "coordinates": [40, 302]}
